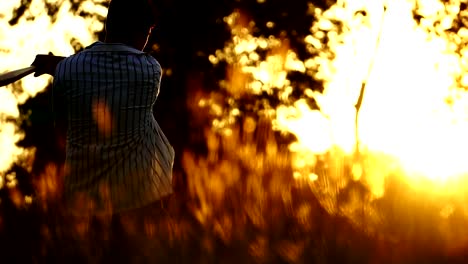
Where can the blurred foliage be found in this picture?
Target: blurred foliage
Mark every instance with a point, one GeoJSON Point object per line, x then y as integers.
{"type": "Point", "coordinates": [448, 19]}
{"type": "Point", "coordinates": [187, 32]}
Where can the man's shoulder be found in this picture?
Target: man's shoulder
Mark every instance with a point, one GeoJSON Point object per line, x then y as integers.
{"type": "Point", "coordinates": [152, 60]}
{"type": "Point", "coordinates": [100, 46]}
{"type": "Point", "coordinates": [68, 60]}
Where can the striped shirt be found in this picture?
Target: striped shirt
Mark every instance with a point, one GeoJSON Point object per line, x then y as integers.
{"type": "Point", "coordinates": [117, 156]}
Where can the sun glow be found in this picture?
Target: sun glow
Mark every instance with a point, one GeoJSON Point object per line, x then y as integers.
{"type": "Point", "coordinates": [410, 75]}
{"type": "Point", "coordinates": [412, 120]}
{"type": "Point", "coordinates": [405, 112]}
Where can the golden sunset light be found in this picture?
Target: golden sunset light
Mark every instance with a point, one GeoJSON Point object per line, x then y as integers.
{"type": "Point", "coordinates": [410, 76]}
{"type": "Point", "coordinates": [412, 122]}
{"type": "Point", "coordinates": [363, 130]}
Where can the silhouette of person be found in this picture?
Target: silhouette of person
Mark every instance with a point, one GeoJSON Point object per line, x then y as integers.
{"type": "Point", "coordinates": [118, 161]}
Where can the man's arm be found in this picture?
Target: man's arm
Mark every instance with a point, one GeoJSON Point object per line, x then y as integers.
{"type": "Point", "coordinates": [46, 64]}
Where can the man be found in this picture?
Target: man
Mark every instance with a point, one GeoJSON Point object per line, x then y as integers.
{"type": "Point", "coordinates": [118, 160]}
{"type": "Point", "coordinates": [117, 156]}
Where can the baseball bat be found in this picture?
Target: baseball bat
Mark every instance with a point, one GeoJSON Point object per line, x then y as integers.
{"type": "Point", "coordinates": [13, 76]}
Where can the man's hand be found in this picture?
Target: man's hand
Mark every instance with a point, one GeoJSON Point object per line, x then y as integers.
{"type": "Point", "coordinates": [46, 64]}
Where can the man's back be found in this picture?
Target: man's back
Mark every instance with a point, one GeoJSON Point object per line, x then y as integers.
{"type": "Point", "coordinates": [117, 156]}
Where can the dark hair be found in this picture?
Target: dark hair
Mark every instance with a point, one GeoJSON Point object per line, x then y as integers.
{"type": "Point", "coordinates": [126, 17]}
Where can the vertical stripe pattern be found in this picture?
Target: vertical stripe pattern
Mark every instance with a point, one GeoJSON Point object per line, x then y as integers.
{"type": "Point", "coordinates": [117, 156]}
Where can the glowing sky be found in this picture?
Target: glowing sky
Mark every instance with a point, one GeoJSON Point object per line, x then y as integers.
{"type": "Point", "coordinates": [410, 75]}
{"type": "Point", "coordinates": [35, 33]}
